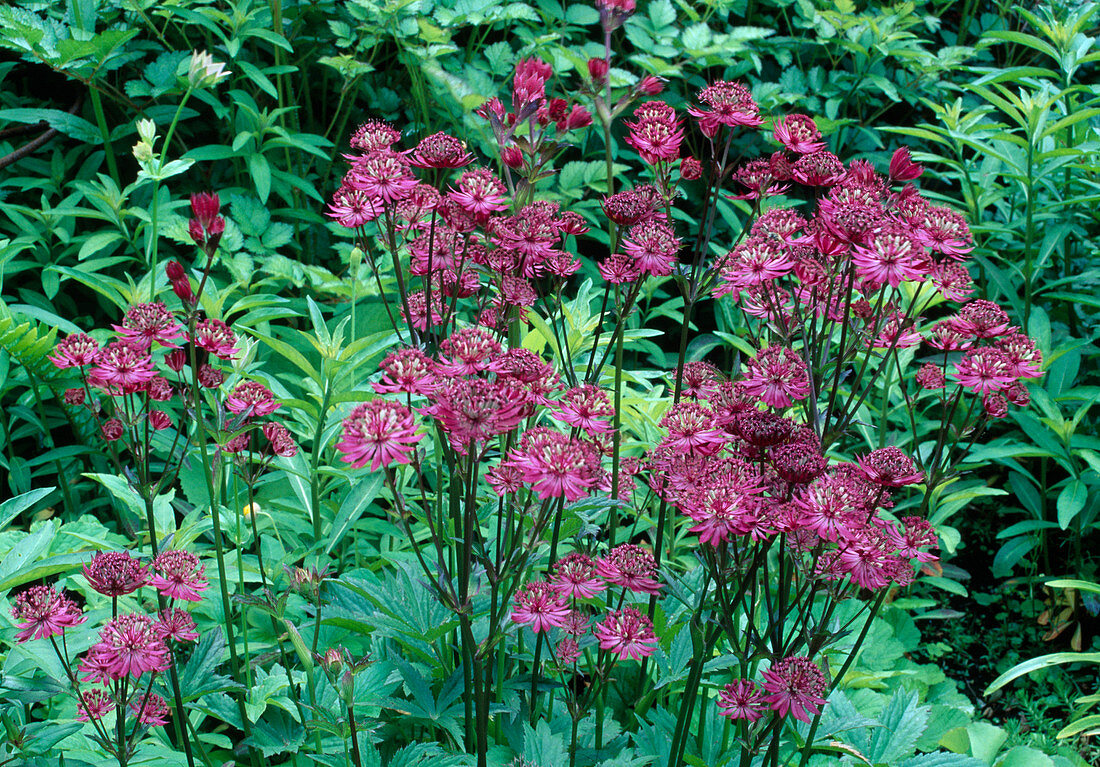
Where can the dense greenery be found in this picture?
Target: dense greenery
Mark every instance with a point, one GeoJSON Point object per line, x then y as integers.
{"type": "Point", "coordinates": [362, 614]}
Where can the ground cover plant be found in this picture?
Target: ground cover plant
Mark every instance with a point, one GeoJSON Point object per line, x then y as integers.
{"type": "Point", "coordinates": [526, 384]}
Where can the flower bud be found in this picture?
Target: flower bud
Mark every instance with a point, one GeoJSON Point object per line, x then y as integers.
{"type": "Point", "coordinates": [902, 167]}
{"type": "Point", "coordinates": [650, 85]}
{"type": "Point", "coordinates": [597, 70]}
{"type": "Point", "coordinates": [691, 169]}
{"type": "Point", "coordinates": [74, 396]}
{"type": "Point", "coordinates": [512, 156]}
{"type": "Point", "coordinates": [112, 429]}
{"type": "Point", "coordinates": [159, 420]}
{"type": "Point", "coordinates": [176, 359]}
{"type": "Point", "coordinates": [174, 270]}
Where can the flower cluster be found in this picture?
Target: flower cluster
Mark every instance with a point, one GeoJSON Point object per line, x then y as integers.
{"type": "Point", "coordinates": [568, 600]}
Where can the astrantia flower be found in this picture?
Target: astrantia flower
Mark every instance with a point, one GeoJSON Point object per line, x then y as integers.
{"type": "Point", "coordinates": [384, 176]}
{"type": "Point", "coordinates": [150, 709]}
{"type": "Point", "coordinates": [657, 133]}
{"type": "Point", "coordinates": [540, 606]}
{"type": "Point", "coordinates": [699, 379]}
{"type": "Point", "coordinates": [217, 338]}
{"type": "Point", "coordinates": [795, 685]}
{"type": "Point", "coordinates": [123, 367]}
{"type": "Point", "coordinates": [760, 428]}
{"type": "Point", "coordinates": [798, 462]}
{"type": "Point", "coordinates": [468, 351]}
{"type": "Point", "coordinates": [891, 256]}
{"type": "Point", "coordinates": [778, 376]}
{"type": "Point", "coordinates": [619, 268]}
{"type": "Point", "coordinates": [130, 645]}
{"type": "Point", "coordinates": [94, 704]}
{"type": "Point", "coordinates": [828, 508]}
{"type": "Point", "coordinates": [179, 575]}
{"type": "Point", "coordinates": [473, 410]}
{"type": "Point", "coordinates": [252, 399]}
{"type": "Point", "coordinates": [575, 577]}
{"type": "Point", "coordinates": [729, 104]}
{"type": "Point", "coordinates": [631, 206]}
{"type": "Point", "coordinates": [819, 168]}
{"type": "Point", "coordinates": [42, 612]}
{"type": "Point", "coordinates": [902, 167]}
{"type": "Point", "coordinates": [1025, 359]}
{"type": "Point", "coordinates": [653, 246]}
{"type": "Point", "coordinates": [627, 633]}
{"type": "Point", "coordinates": [945, 231]}
{"type": "Point", "coordinates": [741, 699]}
{"type": "Point", "coordinates": [930, 376]}
{"type": "Point", "coordinates": [177, 625]}
{"type": "Point", "coordinates": [759, 177]}
{"type": "Point", "coordinates": [691, 169]}
{"type": "Point", "coordinates": [631, 567]}
{"type": "Point", "coordinates": [353, 208]}
{"type": "Point", "coordinates": [504, 478]}
{"type": "Point", "coordinates": [567, 651]}
{"type": "Point", "coordinates": [754, 261]}
{"type": "Point", "coordinates": [798, 133]}
{"type": "Point", "coordinates": [586, 407]}
{"type": "Point", "coordinates": [480, 193]}
{"type": "Point", "coordinates": [115, 573]}
{"type": "Point", "coordinates": [890, 467]}
{"type": "Point", "coordinates": [691, 428]}
{"type": "Point", "coordinates": [373, 136]}
{"type": "Point", "coordinates": [112, 429]}
{"type": "Point", "coordinates": [985, 370]}
{"type": "Point", "coordinates": [983, 319]}
{"type": "Point", "coordinates": [440, 150]}
{"type": "Point", "coordinates": [952, 280]}
{"type": "Point", "coordinates": [378, 432]}
{"type": "Point", "coordinates": [145, 323]}
{"type": "Point", "coordinates": [556, 466]}
{"type": "Point", "coordinates": [280, 439]}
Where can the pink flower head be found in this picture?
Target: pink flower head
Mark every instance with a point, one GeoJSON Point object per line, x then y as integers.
{"type": "Point", "coordinates": [952, 280]}
{"type": "Point", "coordinates": [205, 207]}
{"type": "Point", "coordinates": [556, 466]}
{"type": "Point", "coordinates": [280, 440]}
{"type": "Point", "coordinates": [741, 699]}
{"type": "Point", "coordinates": [145, 323]}
{"type": "Point", "coordinates": [915, 539]}
{"type": "Point", "coordinates": [112, 429]}
{"type": "Point", "coordinates": [631, 567]}
{"type": "Point", "coordinates": [217, 338]}
{"type": "Point", "coordinates": [480, 193]}
{"type": "Point", "coordinates": [122, 367]}
{"type": "Point", "coordinates": [440, 150]}
{"type": "Point", "coordinates": [700, 379]}
{"type": "Point", "coordinates": [653, 246]}
{"type": "Point", "coordinates": [627, 633]}
{"type": "Point", "coordinates": [177, 625]}
{"type": "Point", "coordinates": [656, 134]}
{"type": "Point", "coordinates": [378, 432]}
{"type": "Point", "coordinates": [890, 467]}
{"type": "Point", "coordinates": [819, 168]}
{"type": "Point", "coordinates": [473, 410]}
{"type": "Point", "coordinates": [374, 136]}
{"type": "Point", "coordinates": [130, 645]}
{"type": "Point", "coordinates": [409, 371]}
{"type": "Point", "coordinates": [468, 351]}
{"type": "Point", "coordinates": [586, 407]}
{"type": "Point", "coordinates": [902, 167]}
{"type": "Point", "coordinates": [930, 376]}
{"type": "Point", "coordinates": [115, 573]}
{"type": "Point", "coordinates": [504, 478]}
{"type": "Point", "coordinates": [567, 651]}
{"type": "Point", "coordinates": [891, 255]}
{"type": "Point", "coordinates": [729, 104]}
{"type": "Point", "coordinates": [950, 334]}
{"type": "Point", "coordinates": [778, 376]}
{"type": "Point", "coordinates": [798, 462]}
{"type": "Point", "coordinates": [540, 606]}
{"type": "Point", "coordinates": [42, 612]}
{"type": "Point", "coordinates": [691, 169]}
{"type": "Point", "coordinates": [150, 709]}
{"type": "Point", "coordinates": [179, 575]}
{"type": "Point", "coordinates": [529, 82]}
{"type": "Point", "coordinates": [798, 133]}
{"type": "Point", "coordinates": [75, 350]}
{"type": "Point", "coordinates": [575, 577]}
{"type": "Point", "coordinates": [759, 177]}
{"type": "Point", "coordinates": [94, 704]}
{"type": "Point", "coordinates": [1024, 358]}
{"type": "Point", "coordinates": [945, 231]}
{"type": "Point", "coordinates": [352, 208]}
{"type": "Point", "coordinates": [795, 685]}
{"type": "Point", "coordinates": [985, 370]}
{"type": "Point", "coordinates": [828, 508]}
{"type": "Point", "coordinates": [632, 206]}
{"type": "Point", "coordinates": [619, 268]}
{"type": "Point", "coordinates": [754, 261]}
{"type": "Point", "coordinates": [252, 399]}
{"type": "Point", "coordinates": [983, 319]}
{"type": "Point", "coordinates": [384, 176]}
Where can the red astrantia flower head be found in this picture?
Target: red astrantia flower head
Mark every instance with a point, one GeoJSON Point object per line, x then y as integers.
{"type": "Point", "coordinates": [778, 376]}
{"type": "Point", "coordinates": [145, 323]}
{"type": "Point", "coordinates": [383, 176]}
{"type": "Point", "coordinates": [691, 169]}
{"type": "Point", "coordinates": [741, 699]}
{"type": "Point", "coordinates": [556, 466]}
{"type": "Point", "coordinates": [468, 351]}
{"type": "Point", "coordinates": [795, 685]}
{"type": "Point", "coordinates": [930, 376]}
{"type": "Point", "coordinates": [115, 573]}
{"type": "Point", "coordinates": [380, 433]}
{"type": "Point", "coordinates": [440, 150]}
{"type": "Point", "coordinates": [819, 168]}
{"type": "Point", "coordinates": [473, 410]}
{"type": "Point", "coordinates": [150, 709]}
{"type": "Point", "coordinates": [130, 645]}
{"type": "Point", "coordinates": [352, 208]}
{"type": "Point", "coordinates": [94, 704]}
{"type": "Point", "coordinates": [480, 193]}
{"type": "Point", "coordinates": [251, 399]}
{"type": "Point", "coordinates": [890, 467]}
{"type": "Point", "coordinates": [122, 368]}
{"type": "Point", "coordinates": [575, 577]}
{"type": "Point", "coordinates": [985, 370]}
{"type": "Point", "coordinates": [75, 350]}
{"type": "Point", "coordinates": [176, 625]}
{"type": "Point", "coordinates": [631, 206]}
{"type": "Point", "coordinates": [627, 633]}
{"type": "Point", "coordinates": [539, 605]}
{"type": "Point", "coordinates": [179, 575]}
{"type": "Point", "coordinates": [631, 567]}
{"type": "Point", "coordinates": [374, 136]}
{"type": "Point", "coordinates": [691, 429]}
{"type": "Point", "coordinates": [798, 133]}
{"type": "Point", "coordinates": [891, 255]}
{"type": "Point", "coordinates": [206, 226]}
{"type": "Point", "coordinates": [42, 612]}
{"type": "Point", "coordinates": [587, 407]}
{"type": "Point", "coordinates": [279, 439]}
{"type": "Point", "coordinates": [729, 103]}
{"type": "Point", "coordinates": [217, 338]}
{"type": "Point", "coordinates": [656, 134]}
{"type": "Point", "coordinates": [653, 246]}
{"type": "Point", "coordinates": [409, 371]}
{"type": "Point", "coordinates": [983, 319]}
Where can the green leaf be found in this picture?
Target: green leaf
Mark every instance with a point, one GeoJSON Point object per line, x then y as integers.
{"type": "Point", "coordinates": [1009, 555]}
{"type": "Point", "coordinates": [261, 174]}
{"type": "Point", "coordinates": [1072, 583]}
{"type": "Point", "coordinates": [62, 122]}
{"type": "Point", "coordinates": [13, 507]}
{"type": "Point", "coordinates": [352, 507]}
{"type": "Point", "coordinates": [1024, 756]}
{"type": "Point", "coordinates": [1043, 661]}
{"type": "Point", "coordinates": [1071, 501]}
{"type": "Point", "coordinates": [1078, 727]}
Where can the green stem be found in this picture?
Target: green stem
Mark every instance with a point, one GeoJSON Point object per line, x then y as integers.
{"type": "Point", "coordinates": [105, 133]}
